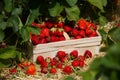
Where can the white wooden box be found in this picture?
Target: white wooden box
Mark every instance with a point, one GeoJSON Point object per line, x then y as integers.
{"type": "Point", "coordinates": [50, 49]}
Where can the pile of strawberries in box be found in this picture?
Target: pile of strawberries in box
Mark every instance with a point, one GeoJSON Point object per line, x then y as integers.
{"type": "Point", "coordinates": [53, 31]}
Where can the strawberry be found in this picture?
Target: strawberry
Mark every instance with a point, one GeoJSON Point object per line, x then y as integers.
{"type": "Point", "coordinates": [41, 36]}
{"type": "Point", "coordinates": [82, 24]}
{"type": "Point", "coordinates": [34, 24]}
{"type": "Point", "coordinates": [64, 59]}
{"type": "Point", "coordinates": [61, 54]}
{"type": "Point", "coordinates": [82, 33]}
{"type": "Point", "coordinates": [81, 63]}
{"type": "Point", "coordinates": [53, 71]}
{"type": "Point", "coordinates": [75, 63]}
{"type": "Point", "coordinates": [12, 70]}
{"type": "Point", "coordinates": [75, 32]}
{"type": "Point", "coordinates": [89, 31]}
{"type": "Point", "coordinates": [77, 37]}
{"type": "Point", "coordinates": [60, 33]}
{"type": "Point", "coordinates": [43, 40]}
{"type": "Point", "coordinates": [31, 70]}
{"type": "Point", "coordinates": [45, 31]}
{"type": "Point", "coordinates": [43, 25]}
{"type": "Point", "coordinates": [67, 69]}
{"type": "Point", "coordinates": [55, 59]}
{"type": "Point", "coordinates": [93, 34]}
{"type": "Point", "coordinates": [81, 58]}
{"type": "Point", "coordinates": [34, 39]}
{"type": "Point", "coordinates": [60, 24]}
{"type": "Point", "coordinates": [44, 64]}
{"type": "Point", "coordinates": [49, 24]}
{"type": "Point", "coordinates": [59, 65]}
{"type": "Point", "coordinates": [20, 65]}
{"type": "Point", "coordinates": [67, 28]}
{"type": "Point", "coordinates": [74, 54]}
{"type": "Point", "coordinates": [52, 38]}
{"type": "Point", "coordinates": [53, 63]}
{"type": "Point", "coordinates": [54, 31]}
{"type": "Point", "coordinates": [26, 63]}
{"type": "Point", "coordinates": [40, 59]}
{"type": "Point", "coordinates": [44, 70]}
{"type": "Point", "coordinates": [61, 38]}
{"type": "Point", "coordinates": [118, 25]}
{"type": "Point", "coordinates": [91, 25]}
{"type": "Point", "coordinates": [87, 54]}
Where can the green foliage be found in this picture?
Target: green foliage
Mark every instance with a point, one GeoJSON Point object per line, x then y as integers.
{"type": "Point", "coordinates": [69, 78]}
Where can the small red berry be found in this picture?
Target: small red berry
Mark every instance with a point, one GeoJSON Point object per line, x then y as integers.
{"type": "Point", "coordinates": [87, 54]}
{"type": "Point", "coordinates": [67, 69]}
{"type": "Point", "coordinates": [53, 71]}
{"type": "Point", "coordinates": [40, 59]}
{"type": "Point", "coordinates": [74, 54]}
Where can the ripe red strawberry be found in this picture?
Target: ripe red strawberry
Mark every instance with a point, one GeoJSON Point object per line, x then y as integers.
{"type": "Point", "coordinates": [67, 28]}
{"type": "Point", "coordinates": [75, 32]}
{"type": "Point", "coordinates": [53, 63]}
{"type": "Point", "coordinates": [75, 63]}
{"type": "Point", "coordinates": [77, 37]}
{"type": "Point", "coordinates": [81, 63]}
{"type": "Point", "coordinates": [44, 64]}
{"type": "Point", "coordinates": [40, 59]}
{"type": "Point", "coordinates": [82, 24]}
{"type": "Point", "coordinates": [12, 70]}
{"type": "Point", "coordinates": [91, 26]}
{"type": "Point", "coordinates": [60, 33]}
{"type": "Point", "coordinates": [61, 54]}
{"type": "Point", "coordinates": [26, 63]}
{"type": "Point", "coordinates": [81, 58]}
{"type": "Point", "coordinates": [87, 54]}
{"type": "Point", "coordinates": [33, 24]}
{"type": "Point", "coordinates": [43, 25]}
{"type": "Point", "coordinates": [82, 33]}
{"type": "Point", "coordinates": [60, 24]}
{"type": "Point", "coordinates": [64, 59]}
{"type": "Point", "coordinates": [45, 31]}
{"type": "Point", "coordinates": [60, 65]}
{"type": "Point", "coordinates": [74, 54]}
{"type": "Point", "coordinates": [89, 31]}
{"type": "Point", "coordinates": [53, 71]}
{"type": "Point", "coordinates": [31, 70]}
{"type": "Point", "coordinates": [44, 70]}
{"type": "Point", "coordinates": [20, 65]}
{"type": "Point", "coordinates": [43, 40]}
{"type": "Point", "coordinates": [61, 38]}
{"type": "Point", "coordinates": [54, 31]}
{"type": "Point", "coordinates": [55, 59]}
{"type": "Point", "coordinates": [93, 34]}
{"type": "Point", "coordinates": [41, 36]}
{"type": "Point", "coordinates": [118, 25]}
{"type": "Point", "coordinates": [67, 70]}
{"type": "Point", "coordinates": [49, 24]}
{"type": "Point", "coordinates": [34, 39]}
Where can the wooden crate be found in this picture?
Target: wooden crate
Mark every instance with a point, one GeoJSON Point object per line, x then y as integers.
{"type": "Point", "coordinates": [50, 49]}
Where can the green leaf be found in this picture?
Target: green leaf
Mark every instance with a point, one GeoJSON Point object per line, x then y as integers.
{"type": "Point", "coordinates": [102, 20]}
{"type": "Point", "coordinates": [6, 53]}
{"type": "Point", "coordinates": [69, 78]}
{"type": "Point", "coordinates": [33, 14]}
{"type": "Point", "coordinates": [2, 35]}
{"type": "Point", "coordinates": [103, 34]}
{"type": "Point", "coordinates": [16, 11]}
{"type": "Point", "coordinates": [88, 75]}
{"type": "Point", "coordinates": [114, 34]}
{"type": "Point", "coordinates": [104, 2]}
{"type": "Point", "coordinates": [98, 3]}
{"type": "Point", "coordinates": [71, 2]}
{"type": "Point", "coordinates": [5, 63]}
{"type": "Point", "coordinates": [72, 13]}
{"type": "Point", "coordinates": [13, 21]}
{"type": "Point", "coordinates": [113, 75]}
{"type": "Point", "coordinates": [19, 55]}
{"type": "Point", "coordinates": [8, 5]}
{"type": "Point", "coordinates": [2, 25]}
{"type": "Point", "coordinates": [55, 10]}
{"type": "Point", "coordinates": [33, 30]}
{"type": "Point", "coordinates": [24, 34]}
